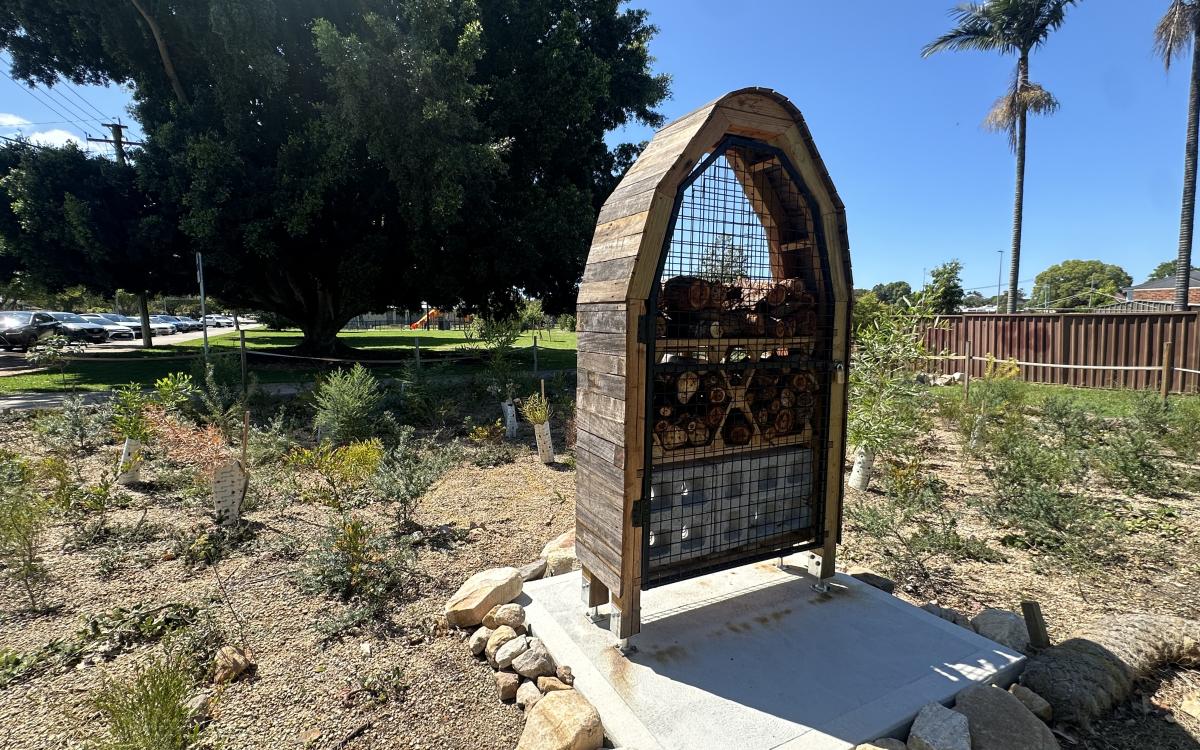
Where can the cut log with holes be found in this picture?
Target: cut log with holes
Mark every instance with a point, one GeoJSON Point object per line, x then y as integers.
{"type": "Point", "coordinates": [804, 382]}
{"type": "Point", "coordinates": [674, 438]}
{"type": "Point", "coordinates": [787, 397]}
{"type": "Point", "coordinates": [698, 435]}
{"type": "Point", "coordinates": [715, 414]}
{"type": "Point", "coordinates": [686, 293]}
{"type": "Point", "coordinates": [737, 429]}
{"type": "Point", "coordinates": [806, 323]}
{"type": "Point", "coordinates": [686, 386]}
{"type": "Point", "coordinates": [717, 395]}
{"type": "Point", "coordinates": [785, 422]}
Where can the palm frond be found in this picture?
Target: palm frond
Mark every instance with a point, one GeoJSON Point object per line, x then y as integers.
{"type": "Point", "coordinates": [1030, 99]}
{"type": "Point", "coordinates": [1176, 30]}
{"type": "Point", "coordinates": [973, 29]}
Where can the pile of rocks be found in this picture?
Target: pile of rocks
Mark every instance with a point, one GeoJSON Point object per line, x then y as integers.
{"type": "Point", "coordinates": [984, 717]}
{"type": "Point", "coordinates": [557, 717]}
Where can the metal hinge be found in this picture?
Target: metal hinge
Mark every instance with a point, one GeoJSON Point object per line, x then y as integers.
{"type": "Point", "coordinates": [640, 513]}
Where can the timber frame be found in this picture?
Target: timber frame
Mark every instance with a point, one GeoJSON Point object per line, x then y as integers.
{"type": "Point", "coordinates": [614, 330]}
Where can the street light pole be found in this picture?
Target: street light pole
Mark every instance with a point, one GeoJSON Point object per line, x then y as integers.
{"type": "Point", "coordinates": [203, 302]}
{"type": "Point", "coordinates": [999, 276]}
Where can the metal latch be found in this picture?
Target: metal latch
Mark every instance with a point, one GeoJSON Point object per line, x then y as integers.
{"type": "Point", "coordinates": [640, 513]}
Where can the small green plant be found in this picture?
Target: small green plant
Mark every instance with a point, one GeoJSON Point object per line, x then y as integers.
{"type": "Point", "coordinates": [208, 545]}
{"type": "Point", "coordinates": [23, 519]}
{"type": "Point", "coordinates": [342, 471]}
{"type": "Point", "coordinates": [1131, 460]}
{"type": "Point", "coordinates": [350, 407]}
{"type": "Point", "coordinates": [362, 566]}
{"type": "Point", "coordinates": [55, 352]}
{"type": "Point", "coordinates": [174, 391]}
{"type": "Point", "coordinates": [270, 443]}
{"type": "Point", "coordinates": [221, 399]}
{"type": "Point", "coordinates": [407, 471]}
{"type": "Point", "coordinates": [129, 413]}
{"type": "Point", "coordinates": [432, 399]}
{"type": "Point", "coordinates": [150, 712]}
{"type": "Point", "coordinates": [76, 428]}
{"type": "Point", "coordinates": [490, 455]}
{"type": "Point", "coordinates": [566, 322]}
{"type": "Point", "coordinates": [536, 409]}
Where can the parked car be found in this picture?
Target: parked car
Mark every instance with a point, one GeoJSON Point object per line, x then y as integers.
{"type": "Point", "coordinates": [184, 323]}
{"type": "Point", "coordinates": [164, 320]}
{"type": "Point", "coordinates": [77, 328]}
{"type": "Point", "coordinates": [115, 331]}
{"type": "Point", "coordinates": [216, 321]}
{"type": "Point", "coordinates": [21, 330]}
{"type": "Point", "coordinates": [156, 328]}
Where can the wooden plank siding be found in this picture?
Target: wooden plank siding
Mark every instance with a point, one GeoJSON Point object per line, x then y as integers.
{"type": "Point", "coordinates": [1080, 340]}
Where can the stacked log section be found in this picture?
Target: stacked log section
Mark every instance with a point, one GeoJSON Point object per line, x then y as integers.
{"type": "Point", "coordinates": [689, 408]}
{"type": "Point", "coordinates": [695, 308]}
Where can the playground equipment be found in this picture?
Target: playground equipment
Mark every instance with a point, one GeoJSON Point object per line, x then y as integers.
{"type": "Point", "coordinates": [713, 338]}
{"type": "Point", "coordinates": [428, 317]}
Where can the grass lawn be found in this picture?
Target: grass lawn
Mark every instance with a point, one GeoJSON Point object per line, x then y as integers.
{"type": "Point", "coordinates": [1102, 402]}
{"type": "Point", "coordinates": [555, 352]}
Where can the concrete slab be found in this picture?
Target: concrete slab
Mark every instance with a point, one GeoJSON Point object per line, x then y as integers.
{"type": "Point", "coordinates": [752, 658]}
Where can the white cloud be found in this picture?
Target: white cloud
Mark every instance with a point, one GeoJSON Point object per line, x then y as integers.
{"type": "Point", "coordinates": [56, 137]}
{"type": "Point", "coordinates": [8, 120]}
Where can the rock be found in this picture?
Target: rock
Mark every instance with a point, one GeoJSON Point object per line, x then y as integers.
{"type": "Point", "coordinates": [507, 684]}
{"type": "Point", "coordinates": [199, 707]}
{"type": "Point", "coordinates": [998, 721]}
{"type": "Point", "coordinates": [309, 736]}
{"type": "Point", "coordinates": [950, 615]}
{"type": "Point", "coordinates": [564, 674]}
{"type": "Point", "coordinates": [364, 649]}
{"type": "Point", "coordinates": [1003, 627]}
{"type": "Point", "coordinates": [512, 615]}
{"type": "Point", "coordinates": [233, 662]}
{"type": "Point", "coordinates": [560, 554]}
{"type": "Point", "coordinates": [479, 593]}
{"type": "Point", "coordinates": [563, 720]}
{"type": "Point", "coordinates": [498, 638]}
{"type": "Point", "coordinates": [479, 640]}
{"type": "Point", "coordinates": [883, 743]}
{"type": "Point", "coordinates": [550, 684]}
{"type": "Point", "coordinates": [534, 570]}
{"type": "Point", "coordinates": [938, 728]}
{"type": "Point", "coordinates": [535, 662]}
{"type": "Point", "coordinates": [528, 695]}
{"type": "Point", "coordinates": [1036, 704]}
{"type": "Point", "coordinates": [511, 650]}
{"type": "Point", "coordinates": [871, 578]}
{"type": "Point", "coordinates": [1191, 705]}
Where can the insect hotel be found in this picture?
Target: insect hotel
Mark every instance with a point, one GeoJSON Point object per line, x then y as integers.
{"type": "Point", "coordinates": [713, 340]}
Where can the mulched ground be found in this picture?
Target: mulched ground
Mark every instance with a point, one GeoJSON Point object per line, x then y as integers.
{"type": "Point", "coordinates": [298, 693]}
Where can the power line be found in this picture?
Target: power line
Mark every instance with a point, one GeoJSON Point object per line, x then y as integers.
{"type": "Point", "coordinates": [71, 90]}
{"type": "Point", "coordinates": [33, 92]}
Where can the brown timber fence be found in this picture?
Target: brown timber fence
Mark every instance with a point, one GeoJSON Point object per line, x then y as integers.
{"type": "Point", "coordinates": [1140, 350]}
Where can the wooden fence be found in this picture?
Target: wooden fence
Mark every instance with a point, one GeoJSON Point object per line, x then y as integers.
{"type": "Point", "coordinates": [1091, 350]}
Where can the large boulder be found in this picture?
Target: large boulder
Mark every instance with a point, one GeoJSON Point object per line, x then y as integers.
{"type": "Point", "coordinates": [1003, 627]}
{"type": "Point", "coordinates": [512, 615]}
{"type": "Point", "coordinates": [559, 554]}
{"type": "Point", "coordinates": [938, 728]}
{"type": "Point", "coordinates": [482, 591]}
{"type": "Point", "coordinates": [562, 720]}
{"type": "Point", "coordinates": [998, 721]}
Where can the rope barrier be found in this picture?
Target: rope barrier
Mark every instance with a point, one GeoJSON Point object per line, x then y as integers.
{"type": "Point", "coordinates": [1143, 368]}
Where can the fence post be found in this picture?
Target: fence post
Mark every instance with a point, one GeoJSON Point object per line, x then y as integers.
{"type": "Point", "coordinates": [967, 373]}
{"type": "Point", "coordinates": [242, 342]}
{"type": "Point", "coordinates": [535, 362]}
{"type": "Point", "coordinates": [1168, 368]}
{"type": "Point", "coordinates": [417, 349]}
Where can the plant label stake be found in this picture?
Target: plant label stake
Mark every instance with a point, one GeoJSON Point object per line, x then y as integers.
{"type": "Point", "coordinates": [713, 321]}
{"type": "Point", "coordinates": [229, 483]}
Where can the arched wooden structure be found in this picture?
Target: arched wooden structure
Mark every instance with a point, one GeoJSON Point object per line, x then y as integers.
{"type": "Point", "coordinates": [713, 338]}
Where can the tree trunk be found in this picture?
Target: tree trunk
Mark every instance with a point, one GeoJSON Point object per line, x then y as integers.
{"type": "Point", "coordinates": [320, 335]}
{"type": "Point", "coordinates": [144, 306]}
{"type": "Point", "coordinates": [1014, 268]}
{"type": "Point", "coordinates": [168, 65]}
{"type": "Point", "coordinates": [1183, 264]}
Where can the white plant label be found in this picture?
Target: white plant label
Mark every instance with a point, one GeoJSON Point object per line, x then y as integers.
{"type": "Point", "coordinates": [229, 489]}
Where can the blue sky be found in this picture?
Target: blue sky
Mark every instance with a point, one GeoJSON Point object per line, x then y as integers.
{"type": "Point", "coordinates": [922, 181]}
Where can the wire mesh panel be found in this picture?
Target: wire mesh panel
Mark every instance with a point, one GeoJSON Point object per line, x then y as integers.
{"type": "Point", "coordinates": [740, 360]}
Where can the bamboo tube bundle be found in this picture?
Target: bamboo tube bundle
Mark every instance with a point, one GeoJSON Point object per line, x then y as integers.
{"type": "Point", "coordinates": [686, 293]}
{"type": "Point", "coordinates": [737, 429]}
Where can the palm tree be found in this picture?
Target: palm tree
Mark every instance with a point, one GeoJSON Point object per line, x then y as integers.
{"type": "Point", "coordinates": [1009, 27]}
{"type": "Point", "coordinates": [1175, 32]}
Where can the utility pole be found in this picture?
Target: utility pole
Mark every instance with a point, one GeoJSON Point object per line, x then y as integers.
{"type": "Point", "coordinates": [203, 303]}
{"type": "Point", "coordinates": [117, 141]}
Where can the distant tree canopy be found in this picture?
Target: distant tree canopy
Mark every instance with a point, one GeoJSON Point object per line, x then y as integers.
{"type": "Point", "coordinates": [946, 292]}
{"type": "Point", "coordinates": [892, 292]}
{"type": "Point", "coordinates": [1079, 283]}
{"type": "Point", "coordinates": [1166, 270]}
{"type": "Point", "coordinates": [724, 260]}
{"type": "Point", "coordinates": [335, 156]}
